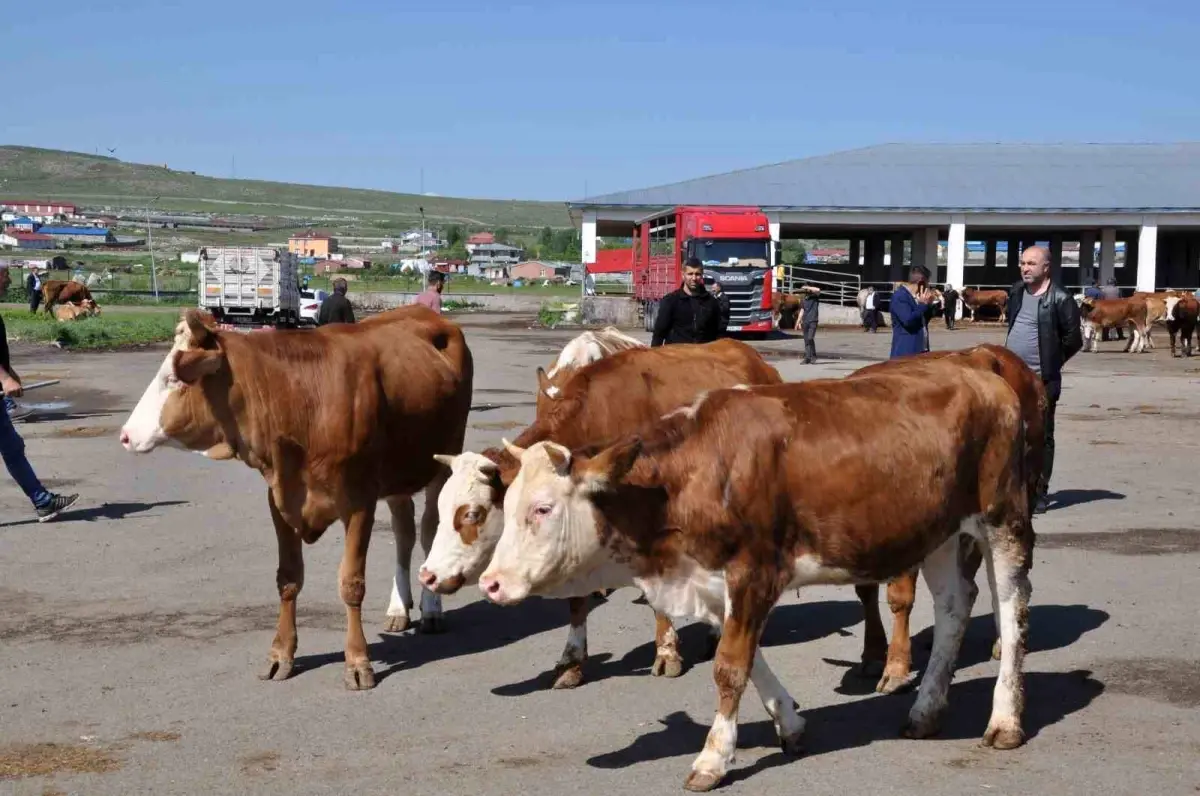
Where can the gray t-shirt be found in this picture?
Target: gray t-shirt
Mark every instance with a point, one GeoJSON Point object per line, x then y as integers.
{"type": "Point", "coordinates": [812, 308]}
{"type": "Point", "coordinates": [1023, 337]}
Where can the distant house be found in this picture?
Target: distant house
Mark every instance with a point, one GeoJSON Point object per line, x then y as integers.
{"type": "Point", "coordinates": [536, 270]}
{"type": "Point", "coordinates": [79, 234]}
{"type": "Point", "coordinates": [479, 239]}
{"type": "Point", "coordinates": [26, 240]}
{"type": "Point", "coordinates": [38, 208]}
{"type": "Point", "coordinates": [312, 244]}
{"type": "Point", "coordinates": [21, 224]}
{"type": "Point", "coordinates": [494, 260]}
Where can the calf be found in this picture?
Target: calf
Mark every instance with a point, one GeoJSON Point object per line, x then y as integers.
{"type": "Point", "coordinates": [1100, 314]}
{"type": "Point", "coordinates": [598, 403]}
{"type": "Point", "coordinates": [901, 591]}
{"type": "Point", "coordinates": [975, 299]}
{"type": "Point", "coordinates": [69, 312]}
{"type": "Point", "coordinates": [334, 419]}
{"type": "Point", "coordinates": [718, 509]}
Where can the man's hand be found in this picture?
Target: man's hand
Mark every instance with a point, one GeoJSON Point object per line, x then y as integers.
{"type": "Point", "coordinates": [11, 385]}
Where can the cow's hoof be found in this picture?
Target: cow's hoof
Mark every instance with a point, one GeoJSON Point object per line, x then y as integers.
{"type": "Point", "coordinates": [895, 683]}
{"type": "Point", "coordinates": [921, 728]}
{"type": "Point", "coordinates": [1003, 736]}
{"type": "Point", "coordinates": [793, 745]}
{"type": "Point", "coordinates": [359, 676]}
{"type": "Point", "coordinates": [667, 666]}
{"type": "Point", "coordinates": [568, 677]}
{"type": "Point", "coordinates": [996, 650]}
{"type": "Point", "coordinates": [701, 781]}
{"type": "Point", "coordinates": [870, 670]}
{"type": "Point", "coordinates": [396, 624]}
{"type": "Point", "coordinates": [278, 670]}
{"type": "Point", "coordinates": [432, 625]}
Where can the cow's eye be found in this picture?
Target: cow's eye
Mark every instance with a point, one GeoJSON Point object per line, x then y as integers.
{"type": "Point", "coordinates": [543, 509]}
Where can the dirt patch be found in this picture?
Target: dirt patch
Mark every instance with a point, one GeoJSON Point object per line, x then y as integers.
{"type": "Point", "coordinates": [501, 391]}
{"type": "Point", "coordinates": [1104, 442]}
{"type": "Point", "coordinates": [1147, 410]}
{"type": "Point", "coordinates": [260, 763]}
{"type": "Point", "coordinates": [1086, 418]}
{"type": "Point", "coordinates": [499, 425]}
{"type": "Point", "coordinates": [84, 432]}
{"type": "Point", "coordinates": [1132, 542]}
{"type": "Point", "coordinates": [155, 736]}
{"type": "Point", "coordinates": [44, 622]}
{"type": "Point", "coordinates": [1172, 681]}
{"type": "Point", "coordinates": [19, 761]}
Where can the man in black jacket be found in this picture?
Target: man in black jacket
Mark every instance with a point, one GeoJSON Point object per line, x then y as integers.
{"type": "Point", "coordinates": [1043, 329]}
{"type": "Point", "coordinates": [336, 308]}
{"type": "Point", "coordinates": [690, 314]}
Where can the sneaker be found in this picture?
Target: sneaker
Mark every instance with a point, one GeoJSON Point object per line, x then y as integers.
{"type": "Point", "coordinates": [57, 505]}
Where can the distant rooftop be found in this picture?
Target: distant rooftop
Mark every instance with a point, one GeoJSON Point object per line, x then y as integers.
{"type": "Point", "coordinates": [951, 177]}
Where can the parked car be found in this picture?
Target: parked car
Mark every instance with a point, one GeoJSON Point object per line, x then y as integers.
{"type": "Point", "coordinates": [310, 305]}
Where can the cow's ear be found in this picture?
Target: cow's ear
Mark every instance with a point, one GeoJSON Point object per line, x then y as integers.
{"type": "Point", "coordinates": [604, 471]}
{"type": "Point", "coordinates": [545, 386]}
{"type": "Point", "coordinates": [202, 334]}
{"type": "Point", "coordinates": [560, 458]}
{"type": "Point", "coordinates": [194, 364]}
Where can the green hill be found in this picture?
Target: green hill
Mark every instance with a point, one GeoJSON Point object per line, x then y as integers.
{"type": "Point", "coordinates": [92, 181]}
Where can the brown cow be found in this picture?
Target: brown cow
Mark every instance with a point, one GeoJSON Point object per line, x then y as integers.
{"type": "Point", "coordinates": [69, 312]}
{"type": "Point", "coordinates": [717, 510]}
{"type": "Point", "coordinates": [786, 310]}
{"type": "Point", "coordinates": [598, 403]}
{"type": "Point", "coordinates": [335, 420]}
{"type": "Point", "coordinates": [1100, 314]}
{"type": "Point", "coordinates": [901, 591]}
{"type": "Point", "coordinates": [59, 291]}
{"type": "Point", "coordinates": [1184, 316]}
{"type": "Point", "coordinates": [974, 299]}
{"type": "Point", "coordinates": [585, 349]}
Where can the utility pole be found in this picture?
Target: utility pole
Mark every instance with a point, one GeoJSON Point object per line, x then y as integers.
{"type": "Point", "coordinates": [150, 246]}
{"type": "Point", "coordinates": [425, 270]}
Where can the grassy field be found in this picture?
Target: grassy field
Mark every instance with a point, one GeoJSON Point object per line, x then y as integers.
{"type": "Point", "coordinates": [113, 329]}
{"type": "Point", "coordinates": [98, 181]}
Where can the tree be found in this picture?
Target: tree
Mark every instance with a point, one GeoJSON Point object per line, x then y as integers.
{"type": "Point", "coordinates": [454, 235]}
{"type": "Point", "coordinates": [546, 239]}
{"type": "Point", "coordinates": [502, 234]}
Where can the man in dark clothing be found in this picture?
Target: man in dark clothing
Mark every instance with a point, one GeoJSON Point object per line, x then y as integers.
{"type": "Point", "coordinates": [950, 307]}
{"type": "Point", "coordinates": [1043, 329]}
{"type": "Point", "coordinates": [810, 315]}
{"type": "Point", "coordinates": [46, 504]}
{"type": "Point", "coordinates": [690, 314]}
{"type": "Point", "coordinates": [1111, 291]}
{"type": "Point", "coordinates": [336, 308]}
{"type": "Point", "coordinates": [33, 289]}
{"type": "Point", "coordinates": [722, 298]}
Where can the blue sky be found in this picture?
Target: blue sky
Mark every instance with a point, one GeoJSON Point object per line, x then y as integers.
{"type": "Point", "coordinates": [540, 99]}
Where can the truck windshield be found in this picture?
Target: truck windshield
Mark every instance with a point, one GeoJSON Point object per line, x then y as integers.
{"type": "Point", "coordinates": [719, 252]}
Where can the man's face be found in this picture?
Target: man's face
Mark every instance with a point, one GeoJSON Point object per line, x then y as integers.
{"type": "Point", "coordinates": [716, 288]}
{"type": "Point", "coordinates": [916, 277]}
{"type": "Point", "coordinates": [5, 281]}
{"type": "Point", "coordinates": [1035, 266]}
{"type": "Point", "coordinates": [693, 278]}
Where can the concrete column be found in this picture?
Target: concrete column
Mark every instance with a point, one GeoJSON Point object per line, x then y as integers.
{"type": "Point", "coordinates": [1147, 253]}
{"type": "Point", "coordinates": [873, 267]}
{"type": "Point", "coordinates": [956, 251]}
{"type": "Point", "coordinates": [1056, 243]}
{"type": "Point", "coordinates": [1193, 264]}
{"type": "Point", "coordinates": [989, 259]}
{"type": "Point", "coordinates": [589, 237]}
{"type": "Point", "coordinates": [1108, 254]}
{"type": "Point", "coordinates": [924, 248]}
{"type": "Point", "coordinates": [855, 253]}
{"type": "Point", "coordinates": [1087, 256]}
{"type": "Point", "coordinates": [895, 271]}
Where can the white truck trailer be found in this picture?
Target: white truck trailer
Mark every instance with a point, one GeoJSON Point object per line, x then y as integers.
{"type": "Point", "coordinates": [248, 285]}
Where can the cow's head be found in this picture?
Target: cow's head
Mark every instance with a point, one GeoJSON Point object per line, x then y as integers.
{"type": "Point", "coordinates": [174, 409]}
{"type": "Point", "coordinates": [471, 518]}
{"type": "Point", "coordinates": [1171, 301]}
{"type": "Point", "coordinates": [551, 527]}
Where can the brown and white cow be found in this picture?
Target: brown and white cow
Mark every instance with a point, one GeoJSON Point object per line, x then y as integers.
{"type": "Point", "coordinates": [61, 291]}
{"type": "Point", "coordinates": [787, 311]}
{"type": "Point", "coordinates": [901, 591]}
{"type": "Point", "coordinates": [1100, 314]}
{"type": "Point", "coordinates": [1182, 322]}
{"type": "Point", "coordinates": [335, 419]}
{"type": "Point", "coordinates": [598, 403]}
{"type": "Point", "coordinates": [975, 299]}
{"type": "Point", "coordinates": [585, 349]}
{"type": "Point", "coordinates": [718, 509]}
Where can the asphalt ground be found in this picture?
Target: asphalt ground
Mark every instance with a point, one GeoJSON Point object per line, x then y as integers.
{"type": "Point", "coordinates": [132, 630]}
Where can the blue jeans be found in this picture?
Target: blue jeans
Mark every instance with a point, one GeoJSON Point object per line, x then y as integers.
{"type": "Point", "coordinates": [12, 448]}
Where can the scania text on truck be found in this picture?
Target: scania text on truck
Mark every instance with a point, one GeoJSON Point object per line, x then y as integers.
{"type": "Point", "coordinates": [733, 244]}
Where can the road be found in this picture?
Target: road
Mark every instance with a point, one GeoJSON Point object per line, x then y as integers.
{"type": "Point", "coordinates": [132, 630]}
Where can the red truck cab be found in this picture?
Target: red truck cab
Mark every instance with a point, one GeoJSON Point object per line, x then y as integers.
{"type": "Point", "coordinates": [733, 244]}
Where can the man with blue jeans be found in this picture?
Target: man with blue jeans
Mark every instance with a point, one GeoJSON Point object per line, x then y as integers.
{"type": "Point", "coordinates": [46, 504]}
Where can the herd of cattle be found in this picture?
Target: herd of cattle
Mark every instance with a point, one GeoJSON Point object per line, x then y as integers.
{"type": "Point", "coordinates": [693, 473]}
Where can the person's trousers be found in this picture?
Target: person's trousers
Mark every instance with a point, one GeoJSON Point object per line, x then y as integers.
{"type": "Point", "coordinates": [872, 320]}
{"type": "Point", "coordinates": [949, 314]}
{"type": "Point", "coordinates": [810, 342]}
{"type": "Point", "coordinates": [1053, 391]}
{"type": "Point", "coordinates": [12, 448]}
{"type": "Point", "coordinates": [35, 299]}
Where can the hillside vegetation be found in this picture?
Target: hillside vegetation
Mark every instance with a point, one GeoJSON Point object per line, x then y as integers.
{"type": "Point", "coordinates": [89, 180]}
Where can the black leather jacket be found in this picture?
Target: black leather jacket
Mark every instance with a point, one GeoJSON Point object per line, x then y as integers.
{"type": "Point", "coordinates": [1059, 335]}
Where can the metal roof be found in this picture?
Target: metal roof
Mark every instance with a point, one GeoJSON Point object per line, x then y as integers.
{"type": "Point", "coordinates": [73, 231]}
{"type": "Point", "coordinates": [952, 177]}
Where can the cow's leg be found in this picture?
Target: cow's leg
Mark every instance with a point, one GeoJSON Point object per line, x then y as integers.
{"type": "Point", "coordinates": [568, 672]}
{"type": "Point", "coordinates": [352, 583]}
{"type": "Point", "coordinates": [789, 725]}
{"type": "Point", "coordinates": [901, 595]}
{"type": "Point", "coordinates": [971, 556]}
{"type": "Point", "coordinates": [875, 645]}
{"type": "Point", "coordinates": [404, 531]}
{"type": "Point", "coordinates": [1008, 560]}
{"type": "Point", "coordinates": [951, 612]}
{"type": "Point", "coordinates": [289, 578]}
{"type": "Point", "coordinates": [432, 618]}
{"type": "Point", "coordinates": [1172, 332]}
{"type": "Point", "coordinates": [667, 660]}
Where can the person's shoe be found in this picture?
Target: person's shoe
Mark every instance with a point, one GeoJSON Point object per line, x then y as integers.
{"type": "Point", "coordinates": [57, 505]}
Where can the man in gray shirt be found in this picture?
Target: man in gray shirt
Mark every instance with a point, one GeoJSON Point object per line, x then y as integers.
{"type": "Point", "coordinates": [1043, 329]}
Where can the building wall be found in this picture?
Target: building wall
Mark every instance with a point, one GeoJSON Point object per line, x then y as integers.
{"type": "Point", "coordinates": [312, 247]}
